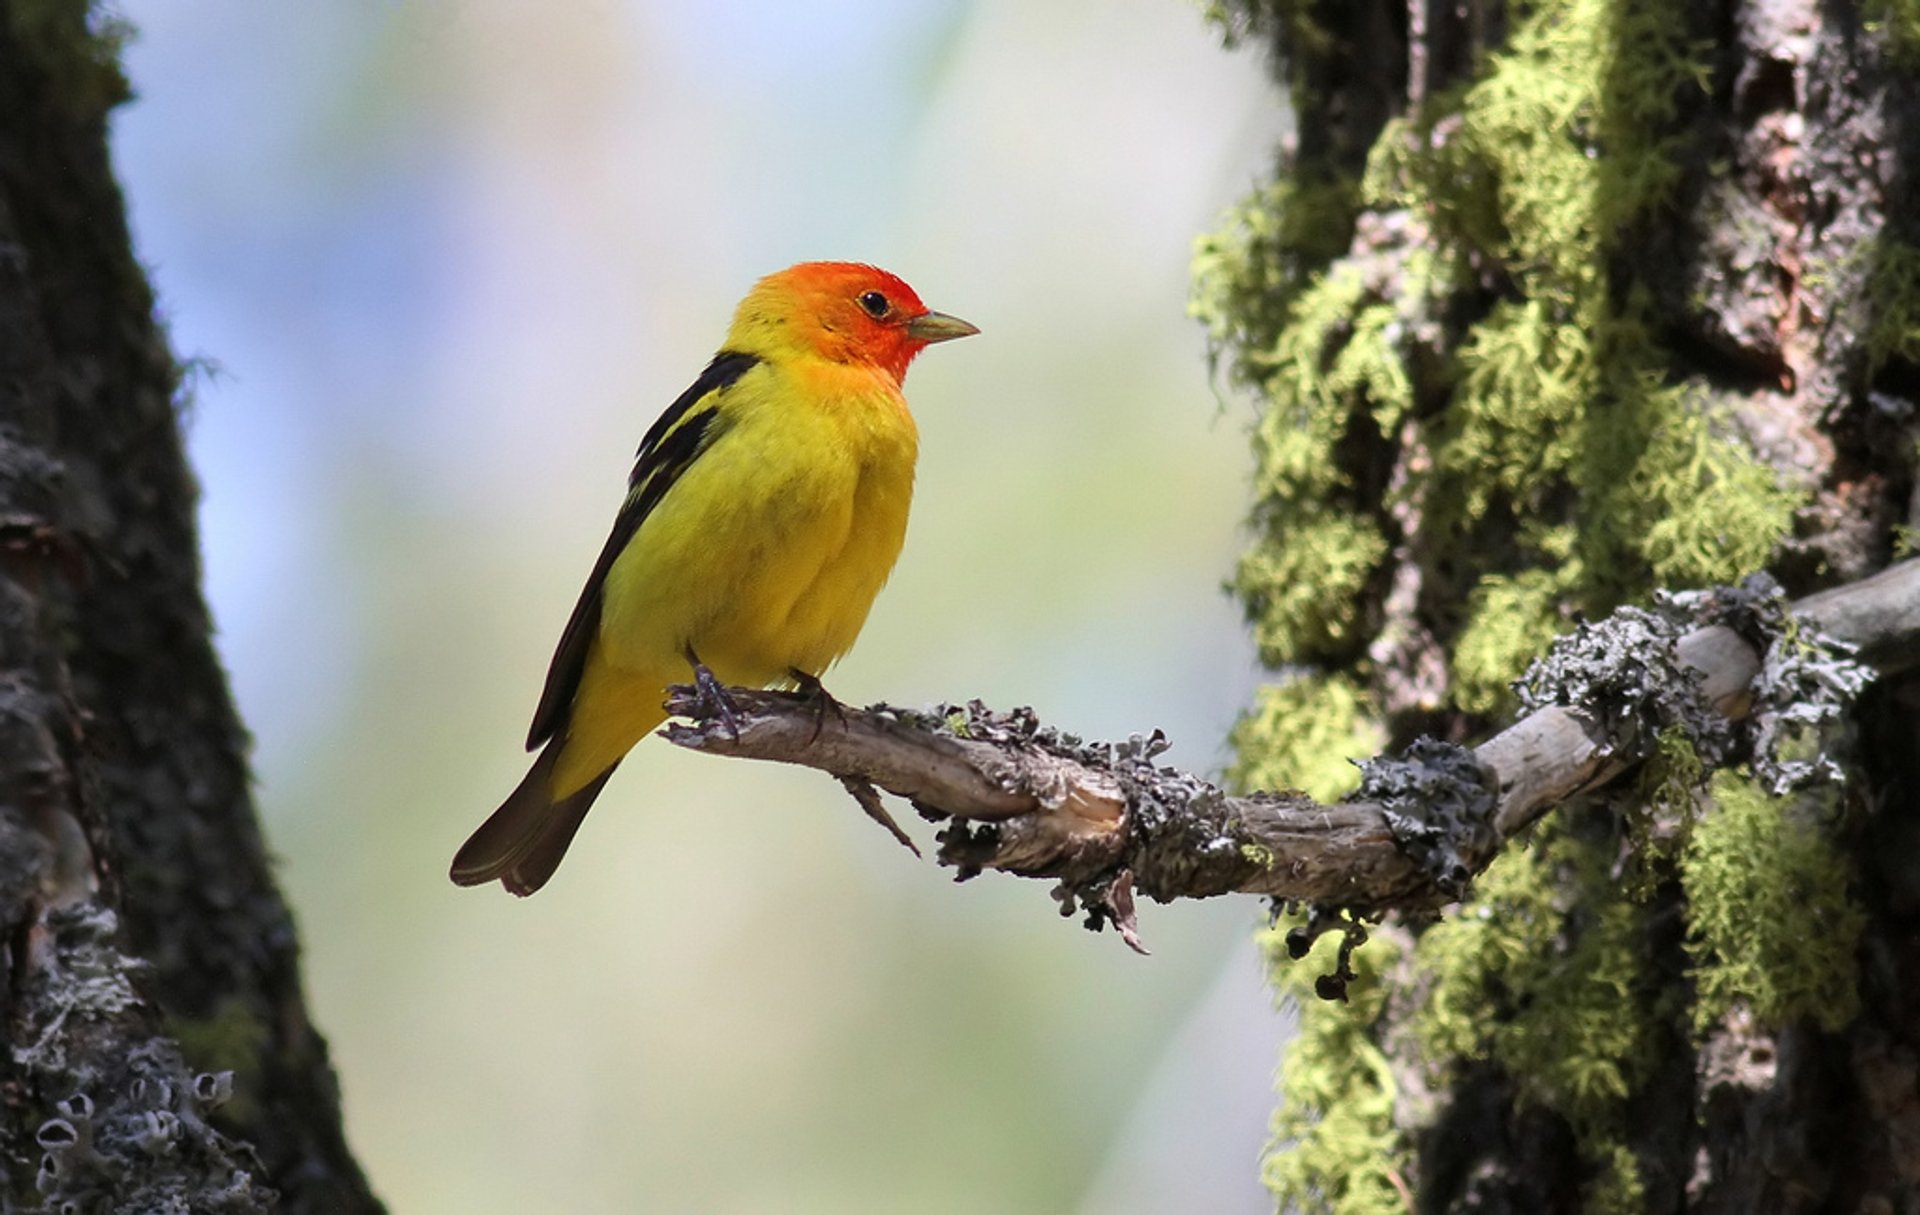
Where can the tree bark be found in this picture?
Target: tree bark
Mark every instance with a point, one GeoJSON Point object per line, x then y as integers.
{"type": "Point", "coordinates": [161, 1056]}
{"type": "Point", "coordinates": [1549, 306]}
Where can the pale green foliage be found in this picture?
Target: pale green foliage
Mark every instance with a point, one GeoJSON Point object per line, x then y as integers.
{"type": "Point", "coordinates": [1561, 387]}
{"type": "Point", "coordinates": [1770, 923]}
{"type": "Point", "coordinates": [1301, 592]}
{"type": "Point", "coordinates": [1658, 818]}
{"type": "Point", "coordinates": [1337, 364]}
{"type": "Point", "coordinates": [1369, 367]}
{"type": "Point", "coordinates": [1333, 1138]}
{"type": "Point", "coordinates": [1307, 413]}
{"type": "Point", "coordinates": [1573, 118]}
{"type": "Point", "coordinates": [1303, 734]}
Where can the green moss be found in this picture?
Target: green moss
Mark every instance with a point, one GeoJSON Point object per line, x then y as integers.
{"type": "Point", "coordinates": [1508, 620]}
{"type": "Point", "coordinates": [1561, 447]}
{"type": "Point", "coordinates": [1556, 406]}
{"type": "Point", "coordinates": [1302, 734]}
{"type": "Point", "coordinates": [1690, 504]}
{"type": "Point", "coordinates": [1617, 1188]}
{"type": "Point", "coordinates": [232, 1039]}
{"type": "Point", "coordinates": [1770, 924]}
{"type": "Point", "coordinates": [1897, 21]}
{"type": "Point", "coordinates": [1239, 20]}
{"type": "Point", "coordinates": [1303, 598]}
{"type": "Point", "coordinates": [1906, 541]}
{"type": "Point", "coordinates": [1337, 380]}
{"type": "Point", "coordinates": [1516, 424]}
{"type": "Point", "coordinates": [1335, 1150]}
{"type": "Point", "coordinates": [1561, 389]}
{"type": "Point", "coordinates": [1509, 921]}
{"type": "Point", "coordinates": [1575, 119]}
{"type": "Point", "coordinates": [1893, 294]}
{"type": "Point", "coordinates": [1423, 165]}
{"type": "Point", "coordinates": [1665, 492]}
{"type": "Point", "coordinates": [1303, 591]}
{"type": "Point", "coordinates": [1584, 1042]}
{"type": "Point", "coordinates": [1544, 974]}
{"type": "Point", "coordinates": [1247, 274]}
{"type": "Point", "coordinates": [1371, 369]}
{"type": "Point", "coordinates": [1307, 412]}
{"type": "Point", "coordinates": [77, 43]}
{"type": "Point", "coordinates": [1659, 816]}
{"type": "Point", "coordinates": [1556, 419]}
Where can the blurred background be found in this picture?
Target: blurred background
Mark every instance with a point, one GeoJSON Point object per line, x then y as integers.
{"type": "Point", "coordinates": [439, 263]}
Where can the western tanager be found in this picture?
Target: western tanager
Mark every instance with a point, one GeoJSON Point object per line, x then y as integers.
{"type": "Point", "coordinates": [765, 510]}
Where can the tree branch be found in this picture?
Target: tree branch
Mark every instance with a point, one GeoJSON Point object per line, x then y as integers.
{"type": "Point", "coordinates": [1025, 799]}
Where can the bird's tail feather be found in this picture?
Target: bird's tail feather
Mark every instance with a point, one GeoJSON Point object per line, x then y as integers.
{"type": "Point", "coordinates": [521, 843]}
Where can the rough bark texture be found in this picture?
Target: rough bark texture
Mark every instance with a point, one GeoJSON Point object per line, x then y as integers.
{"type": "Point", "coordinates": [1550, 305]}
{"type": "Point", "coordinates": [161, 1057]}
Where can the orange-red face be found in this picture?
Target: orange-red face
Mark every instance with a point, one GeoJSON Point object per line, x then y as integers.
{"type": "Point", "coordinates": [854, 313]}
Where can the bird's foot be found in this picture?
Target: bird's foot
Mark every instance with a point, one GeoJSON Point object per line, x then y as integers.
{"type": "Point", "coordinates": [712, 699]}
{"type": "Point", "coordinates": [822, 701]}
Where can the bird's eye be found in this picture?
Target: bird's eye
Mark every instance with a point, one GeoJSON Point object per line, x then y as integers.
{"type": "Point", "coordinates": [875, 304]}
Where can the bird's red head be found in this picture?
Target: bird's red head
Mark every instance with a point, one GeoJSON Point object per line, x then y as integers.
{"type": "Point", "coordinates": [845, 311]}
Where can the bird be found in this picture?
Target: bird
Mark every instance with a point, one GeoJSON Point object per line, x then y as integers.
{"type": "Point", "coordinates": [765, 509]}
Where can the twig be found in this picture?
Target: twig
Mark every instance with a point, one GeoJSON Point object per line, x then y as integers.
{"type": "Point", "coordinates": [1025, 799]}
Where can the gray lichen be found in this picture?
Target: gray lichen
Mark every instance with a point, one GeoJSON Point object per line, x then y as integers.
{"type": "Point", "coordinates": [131, 1133]}
{"type": "Point", "coordinates": [1439, 806]}
{"type": "Point", "coordinates": [1623, 671]}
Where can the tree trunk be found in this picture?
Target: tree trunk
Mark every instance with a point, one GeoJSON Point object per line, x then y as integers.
{"type": "Point", "coordinates": [1550, 306]}
{"type": "Point", "coordinates": [161, 1055]}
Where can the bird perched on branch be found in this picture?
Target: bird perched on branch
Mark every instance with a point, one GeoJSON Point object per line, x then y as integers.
{"type": "Point", "coordinates": [765, 510]}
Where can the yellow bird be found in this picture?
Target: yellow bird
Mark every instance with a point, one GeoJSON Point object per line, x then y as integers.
{"type": "Point", "coordinates": [765, 510]}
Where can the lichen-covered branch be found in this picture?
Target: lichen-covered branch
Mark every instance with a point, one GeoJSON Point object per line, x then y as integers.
{"type": "Point", "coordinates": [1104, 820]}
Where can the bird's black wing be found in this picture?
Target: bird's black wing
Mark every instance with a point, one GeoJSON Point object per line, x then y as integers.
{"type": "Point", "coordinates": [687, 428]}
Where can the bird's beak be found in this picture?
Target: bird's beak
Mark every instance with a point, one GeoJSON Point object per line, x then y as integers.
{"type": "Point", "coordinates": [939, 327]}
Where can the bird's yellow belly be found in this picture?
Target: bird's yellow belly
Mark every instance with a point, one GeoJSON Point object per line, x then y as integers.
{"type": "Point", "coordinates": [762, 559]}
{"type": "Point", "coordinates": [759, 587]}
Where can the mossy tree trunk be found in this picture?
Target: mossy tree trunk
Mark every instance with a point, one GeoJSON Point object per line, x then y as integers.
{"type": "Point", "coordinates": [160, 1057]}
{"type": "Point", "coordinates": [1548, 306]}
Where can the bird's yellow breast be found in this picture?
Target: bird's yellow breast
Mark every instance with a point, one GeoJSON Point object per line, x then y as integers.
{"type": "Point", "coordinates": [767, 553]}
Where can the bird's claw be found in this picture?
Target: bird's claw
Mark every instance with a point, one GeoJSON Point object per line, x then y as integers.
{"type": "Point", "coordinates": [822, 701]}
{"type": "Point", "coordinates": [712, 699]}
